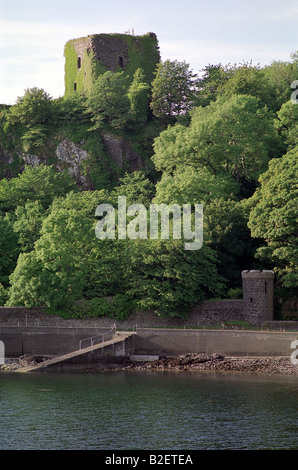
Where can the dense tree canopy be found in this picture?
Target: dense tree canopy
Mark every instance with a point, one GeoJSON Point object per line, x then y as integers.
{"type": "Point", "coordinates": [42, 183]}
{"type": "Point", "coordinates": [227, 140]}
{"type": "Point", "coordinates": [274, 216]}
{"type": "Point", "coordinates": [173, 90]}
{"type": "Point", "coordinates": [34, 108]}
{"type": "Point", "coordinates": [108, 100]}
{"type": "Point", "coordinates": [231, 136]}
{"type": "Point", "coordinates": [30, 118]}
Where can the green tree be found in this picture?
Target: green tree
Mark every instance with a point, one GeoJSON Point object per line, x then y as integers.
{"type": "Point", "coordinates": [210, 84]}
{"type": "Point", "coordinates": [250, 80]}
{"type": "Point", "coordinates": [194, 186]}
{"type": "Point", "coordinates": [29, 118]}
{"type": "Point", "coordinates": [280, 75]}
{"type": "Point", "coordinates": [286, 123]}
{"type": "Point", "coordinates": [108, 101]}
{"type": "Point", "coordinates": [9, 250]}
{"type": "Point", "coordinates": [3, 295]}
{"type": "Point", "coordinates": [40, 183]}
{"type": "Point", "coordinates": [34, 108]}
{"type": "Point", "coordinates": [139, 97]}
{"type": "Point", "coordinates": [169, 280]}
{"type": "Point", "coordinates": [28, 223]}
{"type": "Point", "coordinates": [136, 188]}
{"type": "Point", "coordinates": [227, 233]}
{"type": "Point", "coordinates": [27, 281]}
{"type": "Point", "coordinates": [72, 110]}
{"type": "Point", "coordinates": [54, 274]}
{"type": "Point", "coordinates": [68, 263]}
{"type": "Point", "coordinates": [274, 216]}
{"type": "Point", "coordinates": [104, 266]}
{"type": "Point", "coordinates": [173, 90]}
{"type": "Point", "coordinates": [230, 136]}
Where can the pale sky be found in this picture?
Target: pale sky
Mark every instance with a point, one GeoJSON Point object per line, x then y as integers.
{"type": "Point", "coordinates": [201, 32]}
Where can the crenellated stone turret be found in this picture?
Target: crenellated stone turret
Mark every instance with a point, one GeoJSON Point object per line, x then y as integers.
{"type": "Point", "coordinates": [258, 296]}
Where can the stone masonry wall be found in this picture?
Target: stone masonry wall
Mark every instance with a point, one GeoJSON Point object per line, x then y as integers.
{"type": "Point", "coordinates": [255, 309]}
{"type": "Point", "coordinates": [108, 49]}
{"type": "Point", "coordinates": [204, 314]}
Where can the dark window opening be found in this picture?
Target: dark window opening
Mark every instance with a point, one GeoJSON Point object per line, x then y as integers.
{"type": "Point", "coordinates": [75, 86]}
{"type": "Point", "coordinates": [79, 62]}
{"type": "Point", "coordinates": [251, 300]}
{"type": "Point", "coordinates": [121, 62]}
{"type": "Point", "coordinates": [98, 58]}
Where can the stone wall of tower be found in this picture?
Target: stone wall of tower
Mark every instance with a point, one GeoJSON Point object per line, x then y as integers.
{"type": "Point", "coordinates": [111, 51]}
{"type": "Point", "coordinates": [258, 296]}
{"type": "Point", "coordinates": [88, 57]}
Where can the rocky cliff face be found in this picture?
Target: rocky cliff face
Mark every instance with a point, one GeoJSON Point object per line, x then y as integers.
{"type": "Point", "coordinates": [121, 152]}
{"type": "Point", "coordinates": [72, 157]}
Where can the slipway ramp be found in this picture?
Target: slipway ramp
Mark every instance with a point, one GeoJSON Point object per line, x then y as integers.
{"type": "Point", "coordinates": [118, 337]}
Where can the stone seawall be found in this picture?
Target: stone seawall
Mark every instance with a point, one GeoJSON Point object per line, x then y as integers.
{"type": "Point", "coordinates": [202, 341]}
{"type": "Point", "coordinates": [215, 312]}
{"type": "Point", "coordinates": [52, 341]}
{"type": "Point", "coordinates": [207, 313]}
{"type": "Point", "coordinates": [49, 341]}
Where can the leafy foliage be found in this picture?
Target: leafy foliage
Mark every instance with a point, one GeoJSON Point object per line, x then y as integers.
{"type": "Point", "coordinates": [30, 116]}
{"type": "Point", "coordinates": [108, 100]}
{"type": "Point", "coordinates": [169, 280]}
{"type": "Point", "coordinates": [173, 90]}
{"type": "Point", "coordinates": [227, 140]}
{"type": "Point", "coordinates": [9, 250]}
{"type": "Point", "coordinates": [274, 216]}
{"type": "Point", "coordinates": [42, 183]}
{"type": "Point", "coordinates": [33, 108]}
{"type": "Point", "coordinates": [286, 124]}
{"type": "Point", "coordinates": [250, 80]}
{"type": "Point", "coordinates": [229, 136]}
{"type": "Point", "coordinates": [139, 97]}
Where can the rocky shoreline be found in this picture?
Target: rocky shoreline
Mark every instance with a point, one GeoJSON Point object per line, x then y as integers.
{"type": "Point", "coordinates": [191, 362]}
{"type": "Point", "coordinates": [210, 363]}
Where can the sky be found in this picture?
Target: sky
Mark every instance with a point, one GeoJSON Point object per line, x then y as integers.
{"type": "Point", "coordinates": [33, 34]}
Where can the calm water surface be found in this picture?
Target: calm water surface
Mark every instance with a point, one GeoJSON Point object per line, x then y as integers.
{"type": "Point", "coordinates": [148, 411]}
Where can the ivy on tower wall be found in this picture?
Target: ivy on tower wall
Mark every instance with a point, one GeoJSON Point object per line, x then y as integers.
{"type": "Point", "coordinates": [87, 58]}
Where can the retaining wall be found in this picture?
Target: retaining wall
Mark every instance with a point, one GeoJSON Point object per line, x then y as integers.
{"type": "Point", "coordinates": [48, 341]}
{"type": "Point", "coordinates": [226, 342]}
{"type": "Point", "coordinates": [34, 332]}
{"type": "Point", "coordinates": [205, 313]}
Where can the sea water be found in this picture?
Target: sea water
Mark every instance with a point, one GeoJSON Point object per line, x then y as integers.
{"type": "Point", "coordinates": [147, 411]}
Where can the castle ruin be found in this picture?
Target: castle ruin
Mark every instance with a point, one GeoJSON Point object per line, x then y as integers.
{"type": "Point", "coordinates": [88, 57]}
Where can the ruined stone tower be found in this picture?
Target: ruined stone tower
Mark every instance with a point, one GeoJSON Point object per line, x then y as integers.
{"type": "Point", "coordinates": [86, 58]}
{"type": "Point", "coordinates": [258, 296]}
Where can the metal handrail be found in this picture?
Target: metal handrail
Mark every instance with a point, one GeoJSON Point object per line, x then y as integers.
{"type": "Point", "coordinates": [133, 327]}
{"type": "Point", "coordinates": [93, 338]}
